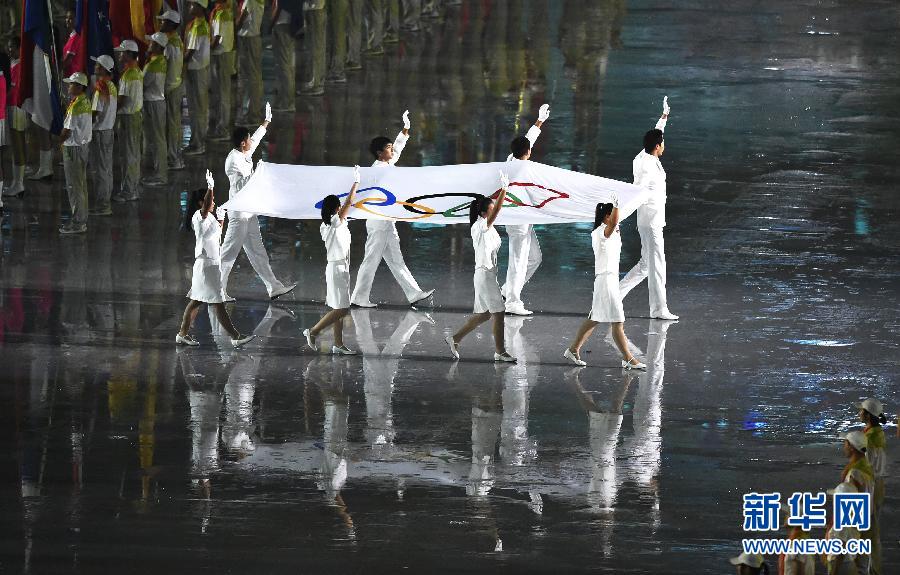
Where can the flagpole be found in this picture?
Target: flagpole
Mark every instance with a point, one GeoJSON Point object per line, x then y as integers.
{"type": "Point", "coordinates": [55, 54]}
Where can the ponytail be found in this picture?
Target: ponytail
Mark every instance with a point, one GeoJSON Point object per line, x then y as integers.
{"type": "Point", "coordinates": [881, 419]}
{"type": "Point", "coordinates": [478, 206]}
{"type": "Point", "coordinates": [195, 197]}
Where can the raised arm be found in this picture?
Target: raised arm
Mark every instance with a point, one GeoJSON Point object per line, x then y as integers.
{"type": "Point", "coordinates": [613, 218]}
{"type": "Point", "coordinates": [498, 203]}
{"type": "Point", "coordinates": [349, 201]}
{"type": "Point", "coordinates": [260, 132]}
{"type": "Point", "coordinates": [401, 139]}
{"type": "Point", "coordinates": [661, 123]}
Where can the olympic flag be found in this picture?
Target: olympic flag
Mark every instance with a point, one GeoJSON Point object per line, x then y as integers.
{"type": "Point", "coordinates": [538, 193]}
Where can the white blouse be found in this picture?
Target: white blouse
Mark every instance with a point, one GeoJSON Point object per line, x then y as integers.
{"type": "Point", "coordinates": [606, 250]}
{"type": "Point", "coordinates": [337, 239]}
{"type": "Point", "coordinates": [486, 242]}
{"type": "Point", "coordinates": [208, 231]}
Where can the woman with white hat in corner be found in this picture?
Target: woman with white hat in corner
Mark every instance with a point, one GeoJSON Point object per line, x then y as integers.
{"type": "Point", "coordinates": [858, 472]}
{"type": "Point", "coordinates": [750, 564]}
{"type": "Point", "coordinates": [871, 412]}
{"type": "Point", "coordinates": [846, 563]}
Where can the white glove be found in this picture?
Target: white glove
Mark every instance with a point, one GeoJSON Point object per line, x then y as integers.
{"type": "Point", "coordinates": [268, 112]}
{"type": "Point", "coordinates": [356, 176]}
{"type": "Point", "coordinates": [210, 182]}
{"type": "Point", "coordinates": [504, 181]}
{"type": "Point", "coordinates": [665, 105]}
{"type": "Point", "coordinates": [544, 113]}
{"type": "Point", "coordinates": [614, 200]}
{"type": "Point", "coordinates": [406, 124]}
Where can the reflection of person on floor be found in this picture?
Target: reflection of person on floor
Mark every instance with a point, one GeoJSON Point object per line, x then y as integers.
{"type": "Point", "coordinates": [379, 369]}
{"type": "Point", "coordinates": [382, 240]}
{"type": "Point", "coordinates": [483, 212]}
{"type": "Point", "coordinates": [607, 303]}
{"type": "Point", "coordinates": [336, 236]}
{"type": "Point", "coordinates": [516, 448]}
{"type": "Point", "coordinates": [243, 227]}
{"type": "Point", "coordinates": [486, 420]}
{"type": "Point", "coordinates": [206, 286]}
{"type": "Point", "coordinates": [524, 250]}
{"type": "Point", "coordinates": [651, 219]}
{"type": "Point", "coordinates": [871, 412]}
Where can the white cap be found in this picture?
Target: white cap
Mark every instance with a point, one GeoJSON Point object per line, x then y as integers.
{"type": "Point", "coordinates": [105, 61]}
{"type": "Point", "coordinates": [171, 16]}
{"type": "Point", "coordinates": [127, 46]}
{"type": "Point", "coordinates": [77, 78]}
{"type": "Point", "coordinates": [857, 439]}
{"type": "Point", "coordinates": [203, 3]}
{"type": "Point", "coordinates": [873, 406]}
{"type": "Point", "coordinates": [753, 560]}
{"type": "Point", "coordinates": [845, 487]}
{"type": "Point", "coordinates": [159, 38]}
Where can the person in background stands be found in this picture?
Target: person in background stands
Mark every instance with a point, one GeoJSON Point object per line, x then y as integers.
{"type": "Point", "coordinates": [76, 137]}
{"type": "Point", "coordinates": [104, 105]}
{"type": "Point", "coordinates": [249, 25]}
{"type": "Point", "coordinates": [221, 21]}
{"type": "Point", "coordinates": [169, 21]}
{"type": "Point", "coordinates": [155, 71]}
{"type": "Point", "coordinates": [196, 57]}
{"type": "Point", "coordinates": [284, 50]}
{"type": "Point", "coordinates": [129, 118]}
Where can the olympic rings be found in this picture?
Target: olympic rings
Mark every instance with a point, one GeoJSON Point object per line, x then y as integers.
{"type": "Point", "coordinates": [361, 205]}
{"type": "Point", "coordinates": [389, 198]}
{"type": "Point", "coordinates": [449, 213]}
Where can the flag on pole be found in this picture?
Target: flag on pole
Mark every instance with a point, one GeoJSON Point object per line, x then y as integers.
{"type": "Point", "coordinates": [93, 29]}
{"type": "Point", "coordinates": [127, 20]}
{"type": "Point", "coordinates": [38, 92]}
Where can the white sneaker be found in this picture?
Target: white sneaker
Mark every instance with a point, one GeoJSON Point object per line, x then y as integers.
{"type": "Point", "coordinates": [341, 350]}
{"type": "Point", "coordinates": [573, 357]}
{"type": "Point", "coordinates": [518, 310]}
{"type": "Point", "coordinates": [186, 340]}
{"type": "Point", "coordinates": [454, 347]}
{"type": "Point", "coordinates": [629, 365]}
{"type": "Point", "coordinates": [666, 315]}
{"type": "Point", "coordinates": [364, 304]}
{"type": "Point", "coordinates": [241, 340]}
{"type": "Point", "coordinates": [504, 357]}
{"type": "Point", "coordinates": [422, 295]}
{"type": "Point", "coordinates": [280, 292]}
{"type": "Point", "coordinates": [310, 339]}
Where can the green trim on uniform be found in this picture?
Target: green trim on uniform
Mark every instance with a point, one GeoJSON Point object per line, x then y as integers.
{"type": "Point", "coordinates": [156, 65]}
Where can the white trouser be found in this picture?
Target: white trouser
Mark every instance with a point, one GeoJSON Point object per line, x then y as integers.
{"type": "Point", "coordinates": [524, 258]}
{"type": "Point", "coordinates": [383, 242]}
{"type": "Point", "coordinates": [244, 233]}
{"type": "Point", "coordinates": [651, 266]}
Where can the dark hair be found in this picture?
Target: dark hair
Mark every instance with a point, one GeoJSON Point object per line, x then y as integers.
{"type": "Point", "coordinates": [519, 147]}
{"type": "Point", "coordinates": [330, 206]}
{"type": "Point", "coordinates": [601, 212]}
{"type": "Point", "coordinates": [478, 206]}
{"type": "Point", "coordinates": [238, 135]}
{"type": "Point", "coordinates": [875, 419]}
{"type": "Point", "coordinates": [194, 197]}
{"type": "Point", "coordinates": [378, 144]}
{"type": "Point", "coordinates": [652, 139]}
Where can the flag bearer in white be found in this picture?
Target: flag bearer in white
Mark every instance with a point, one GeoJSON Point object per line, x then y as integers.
{"type": "Point", "coordinates": [243, 228]}
{"type": "Point", "coordinates": [155, 71]}
{"type": "Point", "coordinates": [383, 242]}
{"type": "Point", "coordinates": [651, 219]}
{"type": "Point", "coordinates": [76, 136]}
{"type": "Point", "coordinates": [104, 105]}
{"type": "Point", "coordinates": [524, 250]}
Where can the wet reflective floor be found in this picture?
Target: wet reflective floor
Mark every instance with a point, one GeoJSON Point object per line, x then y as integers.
{"type": "Point", "coordinates": [782, 247]}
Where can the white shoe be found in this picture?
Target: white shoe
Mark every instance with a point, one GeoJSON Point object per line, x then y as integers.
{"type": "Point", "coordinates": [422, 295]}
{"type": "Point", "coordinates": [629, 365]}
{"type": "Point", "coordinates": [241, 340]}
{"type": "Point", "coordinates": [518, 310]}
{"type": "Point", "coordinates": [227, 298]}
{"type": "Point", "coordinates": [364, 304]}
{"type": "Point", "coordinates": [666, 315]}
{"type": "Point", "coordinates": [310, 339]}
{"type": "Point", "coordinates": [341, 350]}
{"type": "Point", "coordinates": [573, 358]}
{"type": "Point", "coordinates": [186, 340]}
{"type": "Point", "coordinates": [280, 292]}
{"type": "Point", "coordinates": [504, 357]}
{"type": "Point", "coordinates": [454, 347]}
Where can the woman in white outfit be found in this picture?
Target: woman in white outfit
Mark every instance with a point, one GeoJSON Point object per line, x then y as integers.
{"type": "Point", "coordinates": [206, 282]}
{"type": "Point", "coordinates": [489, 304]}
{"type": "Point", "coordinates": [336, 236]}
{"type": "Point", "coordinates": [607, 303]}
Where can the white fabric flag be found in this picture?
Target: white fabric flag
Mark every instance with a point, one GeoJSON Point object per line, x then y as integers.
{"type": "Point", "coordinates": [538, 193]}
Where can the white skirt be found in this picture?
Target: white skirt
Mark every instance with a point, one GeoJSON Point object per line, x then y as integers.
{"type": "Point", "coordinates": [337, 285]}
{"type": "Point", "coordinates": [487, 292]}
{"type": "Point", "coordinates": [206, 283]}
{"type": "Point", "coordinates": [607, 303]}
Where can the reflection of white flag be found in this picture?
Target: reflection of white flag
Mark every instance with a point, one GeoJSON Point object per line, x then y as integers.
{"type": "Point", "coordinates": [538, 193]}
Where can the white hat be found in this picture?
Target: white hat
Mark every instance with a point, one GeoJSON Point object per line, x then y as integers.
{"type": "Point", "coordinates": [77, 78]}
{"type": "Point", "coordinates": [873, 406]}
{"type": "Point", "coordinates": [845, 487]}
{"type": "Point", "coordinates": [105, 61]}
{"type": "Point", "coordinates": [171, 16]}
{"type": "Point", "coordinates": [754, 560]}
{"type": "Point", "coordinates": [857, 439]}
{"type": "Point", "coordinates": [127, 46]}
{"type": "Point", "coordinates": [159, 38]}
{"type": "Point", "coordinates": [203, 3]}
